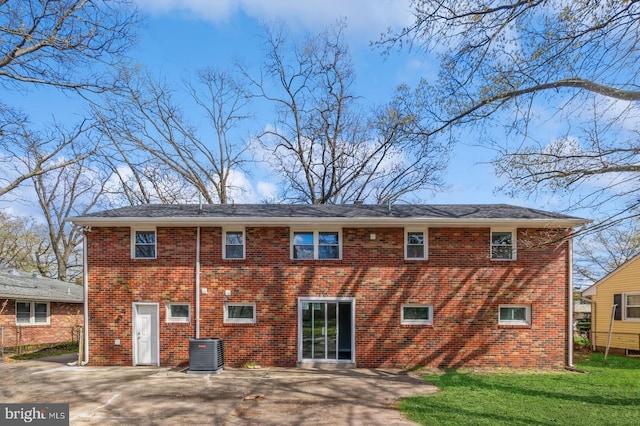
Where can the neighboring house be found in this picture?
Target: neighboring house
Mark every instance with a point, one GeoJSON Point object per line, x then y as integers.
{"type": "Point", "coordinates": [38, 310]}
{"type": "Point", "coordinates": [365, 285]}
{"type": "Point", "coordinates": [581, 308]}
{"type": "Point", "coordinates": [621, 287]}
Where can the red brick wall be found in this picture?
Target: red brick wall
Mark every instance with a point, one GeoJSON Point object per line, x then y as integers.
{"type": "Point", "coordinates": [463, 284]}
{"type": "Point", "coordinates": [65, 320]}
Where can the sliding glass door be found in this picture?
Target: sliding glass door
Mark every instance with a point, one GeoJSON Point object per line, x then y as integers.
{"type": "Point", "coordinates": [326, 330]}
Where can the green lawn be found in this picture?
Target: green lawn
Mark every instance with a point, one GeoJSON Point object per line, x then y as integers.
{"type": "Point", "coordinates": [608, 394]}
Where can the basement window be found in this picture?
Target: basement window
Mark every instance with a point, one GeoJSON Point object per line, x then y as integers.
{"type": "Point", "coordinates": [239, 313]}
{"type": "Point", "coordinates": [178, 312]}
{"type": "Point", "coordinates": [514, 315]}
{"type": "Point", "coordinates": [416, 314]}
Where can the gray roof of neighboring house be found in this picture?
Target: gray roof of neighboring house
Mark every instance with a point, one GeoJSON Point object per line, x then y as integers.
{"type": "Point", "coordinates": [183, 214]}
{"type": "Point", "coordinates": [26, 286]}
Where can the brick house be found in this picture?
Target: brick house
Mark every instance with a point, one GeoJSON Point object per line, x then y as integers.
{"type": "Point", "coordinates": [364, 285]}
{"type": "Point", "coordinates": [38, 310]}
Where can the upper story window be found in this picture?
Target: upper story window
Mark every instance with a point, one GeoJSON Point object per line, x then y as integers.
{"type": "Point", "coordinates": [143, 244]}
{"type": "Point", "coordinates": [632, 306]}
{"type": "Point", "coordinates": [503, 245]}
{"type": "Point", "coordinates": [233, 245]}
{"type": "Point", "coordinates": [514, 315]}
{"type": "Point", "coordinates": [415, 244]}
{"type": "Point", "coordinates": [315, 245]}
{"type": "Point", "coordinates": [32, 313]}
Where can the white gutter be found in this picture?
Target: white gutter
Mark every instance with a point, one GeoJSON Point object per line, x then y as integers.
{"type": "Point", "coordinates": [570, 318]}
{"type": "Point", "coordinates": [198, 283]}
{"type": "Point", "coordinates": [85, 281]}
{"type": "Point", "coordinates": [328, 221]}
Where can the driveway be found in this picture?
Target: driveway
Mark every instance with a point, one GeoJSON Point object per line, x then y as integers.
{"type": "Point", "coordinates": [163, 396]}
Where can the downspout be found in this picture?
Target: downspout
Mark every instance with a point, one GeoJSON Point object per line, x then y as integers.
{"type": "Point", "coordinates": [85, 282]}
{"type": "Point", "coordinates": [198, 283]}
{"type": "Point", "coordinates": [570, 310]}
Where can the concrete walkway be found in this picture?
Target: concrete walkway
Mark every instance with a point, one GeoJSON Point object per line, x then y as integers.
{"type": "Point", "coordinates": [163, 396]}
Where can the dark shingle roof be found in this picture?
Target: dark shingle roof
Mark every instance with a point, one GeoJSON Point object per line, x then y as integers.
{"type": "Point", "coordinates": [25, 286]}
{"type": "Point", "coordinates": [263, 213]}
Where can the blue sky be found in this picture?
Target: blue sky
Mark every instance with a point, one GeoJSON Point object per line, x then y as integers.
{"type": "Point", "coordinates": [181, 37]}
{"type": "Point", "coordinates": [184, 36]}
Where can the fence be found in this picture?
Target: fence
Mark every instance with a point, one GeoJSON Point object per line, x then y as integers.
{"type": "Point", "coordinates": [19, 339]}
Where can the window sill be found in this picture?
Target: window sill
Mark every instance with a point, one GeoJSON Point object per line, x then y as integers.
{"type": "Point", "coordinates": [30, 324]}
{"type": "Point", "coordinates": [514, 325]}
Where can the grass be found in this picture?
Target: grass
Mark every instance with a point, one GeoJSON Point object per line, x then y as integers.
{"type": "Point", "coordinates": [608, 394]}
{"type": "Point", "coordinates": [61, 349]}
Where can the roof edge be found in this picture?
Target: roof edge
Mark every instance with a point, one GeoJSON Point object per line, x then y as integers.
{"type": "Point", "coordinates": [288, 221]}
{"type": "Point", "coordinates": [592, 290]}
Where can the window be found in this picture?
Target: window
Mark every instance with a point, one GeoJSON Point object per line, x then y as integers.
{"type": "Point", "coordinates": [415, 245]}
{"type": "Point", "coordinates": [178, 312]}
{"type": "Point", "coordinates": [233, 245]}
{"type": "Point", "coordinates": [503, 245]}
{"type": "Point", "coordinates": [240, 313]}
{"type": "Point", "coordinates": [514, 315]}
{"type": "Point", "coordinates": [32, 313]}
{"type": "Point", "coordinates": [315, 245]}
{"type": "Point", "coordinates": [144, 244]}
{"type": "Point", "coordinates": [632, 306]}
{"type": "Point", "coordinates": [416, 314]}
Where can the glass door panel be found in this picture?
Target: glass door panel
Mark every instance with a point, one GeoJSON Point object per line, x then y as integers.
{"type": "Point", "coordinates": [319, 330]}
{"type": "Point", "coordinates": [332, 331]}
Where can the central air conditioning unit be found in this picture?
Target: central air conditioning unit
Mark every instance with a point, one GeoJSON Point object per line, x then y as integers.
{"type": "Point", "coordinates": [206, 356]}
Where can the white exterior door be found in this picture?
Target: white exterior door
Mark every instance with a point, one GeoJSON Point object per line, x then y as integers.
{"type": "Point", "coordinates": [145, 334]}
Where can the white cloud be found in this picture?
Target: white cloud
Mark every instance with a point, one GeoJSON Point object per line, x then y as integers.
{"type": "Point", "coordinates": [365, 17]}
{"type": "Point", "coordinates": [267, 190]}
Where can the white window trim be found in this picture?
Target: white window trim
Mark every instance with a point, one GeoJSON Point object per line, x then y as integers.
{"type": "Point", "coordinates": [133, 242]}
{"type": "Point", "coordinates": [425, 232]}
{"type": "Point", "coordinates": [171, 319]}
{"type": "Point", "coordinates": [624, 306]}
{"type": "Point", "coordinates": [527, 320]}
{"type": "Point", "coordinates": [228, 320]}
{"type": "Point", "coordinates": [514, 244]}
{"type": "Point", "coordinates": [244, 243]}
{"type": "Point", "coordinates": [32, 313]}
{"type": "Point", "coordinates": [428, 321]}
{"type": "Point", "coordinates": [316, 244]}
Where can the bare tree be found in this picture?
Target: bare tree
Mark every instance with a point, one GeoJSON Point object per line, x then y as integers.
{"type": "Point", "coordinates": [26, 153]}
{"type": "Point", "coordinates": [323, 144]}
{"type": "Point", "coordinates": [561, 74]}
{"type": "Point", "coordinates": [77, 46]}
{"type": "Point", "coordinates": [162, 155]}
{"type": "Point", "coordinates": [68, 191]}
{"type": "Point", "coordinates": [603, 251]}
{"type": "Point", "coordinates": [64, 44]}
{"type": "Point", "coordinates": [22, 242]}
